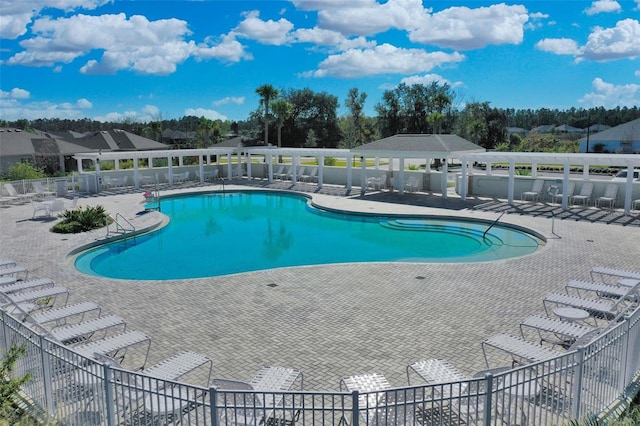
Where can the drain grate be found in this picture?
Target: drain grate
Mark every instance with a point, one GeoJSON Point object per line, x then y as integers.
{"type": "Point", "coordinates": [272, 285]}
{"type": "Point", "coordinates": [420, 277]}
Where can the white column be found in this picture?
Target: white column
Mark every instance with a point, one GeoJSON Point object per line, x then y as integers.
{"type": "Point", "coordinates": [116, 165]}
{"type": "Point", "coordinates": [248, 161]}
{"type": "Point", "coordinates": [180, 160]}
{"type": "Point", "coordinates": [363, 176]}
{"type": "Point", "coordinates": [320, 170]}
{"type": "Point", "coordinates": [201, 167]}
{"type": "Point", "coordinates": [565, 184]}
{"type": "Point", "coordinates": [585, 172]}
{"type": "Point", "coordinates": [534, 169]}
{"type": "Point", "coordinates": [294, 170]}
{"type": "Point", "coordinates": [170, 164]}
{"type": "Point", "coordinates": [269, 159]}
{"type": "Point", "coordinates": [96, 162]}
{"type": "Point", "coordinates": [628, 191]}
{"type": "Point", "coordinates": [150, 162]}
{"type": "Point", "coordinates": [488, 168]}
{"type": "Point", "coordinates": [229, 166]}
{"type": "Point", "coordinates": [136, 174]}
{"type": "Point", "coordinates": [463, 181]}
{"type": "Point", "coordinates": [511, 185]}
{"type": "Point", "coordinates": [400, 179]}
{"type": "Point", "coordinates": [79, 164]}
{"type": "Point", "coordinates": [445, 170]}
{"type": "Point", "coordinates": [349, 168]}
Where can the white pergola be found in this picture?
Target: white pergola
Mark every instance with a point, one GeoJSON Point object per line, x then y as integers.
{"type": "Point", "coordinates": [630, 161]}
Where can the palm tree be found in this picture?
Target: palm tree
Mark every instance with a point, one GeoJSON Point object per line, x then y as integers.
{"type": "Point", "coordinates": [282, 110]}
{"type": "Point", "coordinates": [267, 93]}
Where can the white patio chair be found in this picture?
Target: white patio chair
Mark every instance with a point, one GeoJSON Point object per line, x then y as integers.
{"type": "Point", "coordinates": [609, 196]}
{"type": "Point", "coordinates": [585, 194]}
{"type": "Point", "coordinates": [412, 184]}
{"type": "Point", "coordinates": [57, 206]}
{"type": "Point", "coordinates": [40, 191]}
{"type": "Point", "coordinates": [40, 207]}
{"type": "Point", "coordinates": [280, 173]}
{"type": "Point", "coordinates": [557, 197]}
{"type": "Point", "coordinates": [534, 193]}
{"type": "Point", "coordinates": [311, 177]}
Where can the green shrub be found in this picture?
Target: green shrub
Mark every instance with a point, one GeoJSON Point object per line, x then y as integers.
{"type": "Point", "coordinates": [329, 161]}
{"type": "Point", "coordinates": [10, 413]}
{"type": "Point", "coordinates": [20, 171]}
{"type": "Point", "coordinates": [81, 220]}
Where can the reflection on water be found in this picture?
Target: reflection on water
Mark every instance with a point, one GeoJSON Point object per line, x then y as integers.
{"type": "Point", "coordinates": [277, 243]}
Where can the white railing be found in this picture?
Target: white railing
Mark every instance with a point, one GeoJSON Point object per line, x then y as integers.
{"type": "Point", "coordinates": [593, 381]}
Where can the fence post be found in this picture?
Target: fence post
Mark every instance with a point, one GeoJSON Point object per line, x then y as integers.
{"type": "Point", "coordinates": [46, 375]}
{"type": "Point", "coordinates": [108, 394]}
{"type": "Point", "coordinates": [624, 368]}
{"type": "Point", "coordinates": [355, 408]}
{"type": "Point", "coordinates": [213, 403]}
{"type": "Point", "coordinates": [577, 384]}
{"type": "Point", "coordinates": [488, 386]}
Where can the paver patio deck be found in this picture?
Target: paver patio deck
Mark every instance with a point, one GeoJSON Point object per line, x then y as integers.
{"type": "Point", "coordinates": [337, 320]}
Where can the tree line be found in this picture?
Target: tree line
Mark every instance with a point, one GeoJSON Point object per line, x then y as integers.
{"type": "Point", "coordinates": [305, 118]}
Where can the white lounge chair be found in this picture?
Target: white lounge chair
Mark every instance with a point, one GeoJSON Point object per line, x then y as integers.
{"type": "Point", "coordinates": [378, 405]}
{"type": "Point", "coordinates": [14, 271]}
{"type": "Point", "coordinates": [585, 194]}
{"type": "Point", "coordinates": [40, 191]}
{"type": "Point", "coordinates": [625, 277]}
{"type": "Point", "coordinates": [13, 193]}
{"type": "Point", "coordinates": [18, 286]}
{"type": "Point", "coordinates": [42, 298]}
{"type": "Point", "coordinates": [534, 193]}
{"type": "Point", "coordinates": [85, 330]}
{"type": "Point", "coordinates": [601, 290]}
{"type": "Point", "coordinates": [609, 197]}
{"type": "Point", "coordinates": [557, 197]}
{"type": "Point", "coordinates": [266, 399]}
{"type": "Point", "coordinates": [597, 308]}
{"type": "Point", "coordinates": [521, 351]}
{"type": "Point", "coordinates": [311, 177]}
{"type": "Point", "coordinates": [7, 262]}
{"type": "Point", "coordinates": [280, 173]}
{"type": "Point", "coordinates": [554, 331]}
{"type": "Point", "coordinates": [63, 314]}
{"type": "Point", "coordinates": [116, 346]}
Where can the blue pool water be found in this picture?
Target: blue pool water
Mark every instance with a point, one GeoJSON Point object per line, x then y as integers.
{"type": "Point", "coordinates": [219, 234]}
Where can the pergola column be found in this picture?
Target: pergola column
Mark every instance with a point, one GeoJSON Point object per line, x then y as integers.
{"type": "Point", "coordinates": [201, 167]}
{"type": "Point", "coordinates": [534, 169]}
{"type": "Point", "coordinates": [136, 174]}
{"type": "Point", "coordinates": [628, 193]}
{"type": "Point", "coordinates": [320, 170]}
{"type": "Point", "coordinates": [565, 185]}
{"type": "Point", "coordinates": [229, 165]}
{"type": "Point", "coordinates": [269, 159]}
{"type": "Point", "coordinates": [248, 161]}
{"type": "Point", "coordinates": [170, 165]}
{"type": "Point", "coordinates": [443, 182]}
{"type": "Point", "coordinates": [463, 181]}
{"type": "Point", "coordinates": [349, 168]}
{"type": "Point", "coordinates": [511, 182]}
{"type": "Point", "coordinates": [401, 176]}
{"type": "Point", "coordinates": [363, 176]}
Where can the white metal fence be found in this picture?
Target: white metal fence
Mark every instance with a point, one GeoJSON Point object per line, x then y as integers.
{"type": "Point", "coordinates": [594, 380]}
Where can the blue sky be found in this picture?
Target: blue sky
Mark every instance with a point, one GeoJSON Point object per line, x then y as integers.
{"type": "Point", "coordinates": [145, 60]}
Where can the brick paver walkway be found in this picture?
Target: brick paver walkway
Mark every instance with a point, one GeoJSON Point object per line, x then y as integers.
{"type": "Point", "coordinates": [338, 320]}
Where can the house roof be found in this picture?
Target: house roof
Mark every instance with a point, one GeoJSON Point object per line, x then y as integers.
{"type": "Point", "coordinates": [239, 141]}
{"type": "Point", "coordinates": [568, 129]}
{"type": "Point", "coordinates": [19, 143]}
{"type": "Point", "coordinates": [420, 145]}
{"type": "Point", "coordinates": [629, 131]}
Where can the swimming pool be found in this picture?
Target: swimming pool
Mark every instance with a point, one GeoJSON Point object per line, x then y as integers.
{"type": "Point", "coordinates": [217, 234]}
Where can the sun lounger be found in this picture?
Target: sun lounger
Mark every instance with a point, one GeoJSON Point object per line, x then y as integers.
{"type": "Point", "coordinates": [601, 308]}
{"type": "Point", "coordinates": [376, 403]}
{"type": "Point", "coordinates": [521, 351]}
{"type": "Point", "coordinates": [18, 286]}
{"type": "Point", "coordinates": [82, 331]}
{"type": "Point", "coordinates": [63, 314]}
{"type": "Point", "coordinates": [554, 331]}
{"type": "Point", "coordinates": [115, 346]}
{"type": "Point", "coordinates": [43, 298]}
{"type": "Point", "coordinates": [534, 193]}
{"type": "Point", "coordinates": [14, 271]}
{"type": "Point", "coordinates": [613, 272]}
{"type": "Point", "coordinates": [255, 407]}
{"type": "Point", "coordinates": [15, 194]}
{"type": "Point", "coordinates": [7, 262]}
{"type": "Point", "coordinates": [601, 290]}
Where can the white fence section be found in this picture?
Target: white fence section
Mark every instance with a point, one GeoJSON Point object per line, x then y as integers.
{"type": "Point", "coordinates": [595, 380]}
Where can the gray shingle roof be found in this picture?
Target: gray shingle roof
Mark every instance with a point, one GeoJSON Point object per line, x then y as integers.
{"type": "Point", "coordinates": [624, 132]}
{"type": "Point", "coordinates": [436, 146]}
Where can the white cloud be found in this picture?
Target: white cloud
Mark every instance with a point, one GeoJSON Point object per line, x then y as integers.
{"type": "Point", "coordinates": [18, 93]}
{"type": "Point", "coordinates": [613, 43]}
{"type": "Point", "coordinates": [206, 113]}
{"type": "Point", "coordinates": [17, 14]}
{"type": "Point", "coordinates": [603, 6]}
{"type": "Point", "coordinates": [266, 32]}
{"type": "Point", "coordinates": [559, 46]}
{"type": "Point", "coordinates": [134, 44]}
{"type": "Point", "coordinates": [146, 114]}
{"type": "Point", "coordinates": [228, 49]}
{"type": "Point", "coordinates": [239, 100]}
{"type": "Point", "coordinates": [383, 59]}
{"type": "Point", "coordinates": [603, 44]}
{"type": "Point", "coordinates": [12, 109]}
{"type": "Point", "coordinates": [333, 39]}
{"type": "Point", "coordinates": [637, 73]}
{"type": "Point", "coordinates": [465, 28]}
{"type": "Point", "coordinates": [84, 104]}
{"type": "Point", "coordinates": [427, 79]}
{"type": "Point", "coordinates": [610, 95]}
